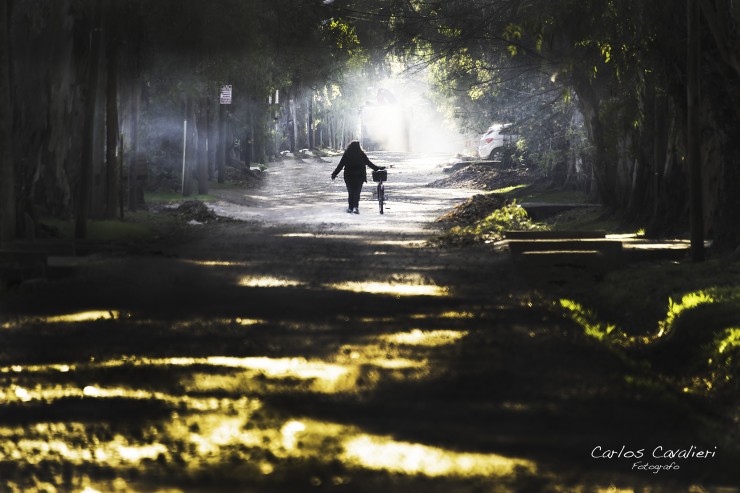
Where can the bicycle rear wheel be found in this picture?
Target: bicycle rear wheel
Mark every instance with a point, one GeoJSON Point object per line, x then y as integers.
{"type": "Point", "coordinates": [381, 196]}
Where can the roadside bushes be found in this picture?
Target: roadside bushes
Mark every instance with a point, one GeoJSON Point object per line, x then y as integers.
{"type": "Point", "coordinates": [484, 228]}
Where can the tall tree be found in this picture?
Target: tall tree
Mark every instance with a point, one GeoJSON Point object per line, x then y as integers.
{"type": "Point", "coordinates": [112, 174]}
{"type": "Point", "coordinates": [86, 161]}
{"type": "Point", "coordinates": [7, 166]}
{"type": "Point", "coordinates": [693, 131]}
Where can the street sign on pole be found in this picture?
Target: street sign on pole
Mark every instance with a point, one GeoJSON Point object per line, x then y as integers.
{"type": "Point", "coordinates": [226, 94]}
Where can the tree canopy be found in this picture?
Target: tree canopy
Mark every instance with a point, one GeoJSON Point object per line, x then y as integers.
{"type": "Point", "coordinates": [597, 89]}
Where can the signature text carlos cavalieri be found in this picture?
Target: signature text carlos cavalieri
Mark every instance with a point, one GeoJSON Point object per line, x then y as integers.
{"type": "Point", "coordinates": [657, 459]}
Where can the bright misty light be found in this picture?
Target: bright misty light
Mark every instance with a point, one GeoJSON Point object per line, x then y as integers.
{"type": "Point", "coordinates": [399, 115]}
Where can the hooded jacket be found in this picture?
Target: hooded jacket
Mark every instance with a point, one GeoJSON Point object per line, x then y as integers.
{"type": "Point", "coordinates": [355, 163]}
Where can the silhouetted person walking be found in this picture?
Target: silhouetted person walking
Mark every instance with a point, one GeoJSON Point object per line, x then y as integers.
{"type": "Point", "coordinates": [354, 161]}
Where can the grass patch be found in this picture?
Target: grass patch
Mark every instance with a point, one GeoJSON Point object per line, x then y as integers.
{"type": "Point", "coordinates": [537, 193]}
{"type": "Point", "coordinates": [104, 230]}
{"type": "Point", "coordinates": [585, 220]}
{"type": "Point", "coordinates": [681, 319]}
{"type": "Point", "coordinates": [136, 226]}
{"type": "Point", "coordinates": [641, 294]}
{"type": "Point", "coordinates": [509, 190]}
{"type": "Point", "coordinates": [177, 197]}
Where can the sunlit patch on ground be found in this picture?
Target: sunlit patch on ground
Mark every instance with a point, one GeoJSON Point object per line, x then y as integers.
{"type": "Point", "coordinates": [217, 414]}
{"type": "Point", "coordinates": [87, 316]}
{"type": "Point", "coordinates": [49, 393]}
{"type": "Point", "coordinates": [418, 337]}
{"type": "Point", "coordinates": [445, 315]}
{"type": "Point", "coordinates": [62, 368]}
{"type": "Point", "coordinates": [271, 367]}
{"type": "Point", "coordinates": [614, 489]}
{"type": "Point", "coordinates": [267, 282]}
{"type": "Point", "coordinates": [391, 288]}
{"type": "Point", "coordinates": [395, 243]}
{"type": "Point", "coordinates": [216, 263]}
{"type": "Point", "coordinates": [115, 452]}
{"type": "Point", "coordinates": [298, 235]}
{"type": "Point", "coordinates": [376, 452]}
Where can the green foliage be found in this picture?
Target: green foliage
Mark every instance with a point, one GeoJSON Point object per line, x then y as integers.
{"type": "Point", "coordinates": [587, 319]}
{"type": "Point", "coordinates": [511, 217]}
{"type": "Point", "coordinates": [697, 330]}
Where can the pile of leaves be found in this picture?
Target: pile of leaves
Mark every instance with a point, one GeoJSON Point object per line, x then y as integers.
{"type": "Point", "coordinates": [195, 210]}
{"type": "Point", "coordinates": [491, 228]}
{"type": "Point", "coordinates": [486, 177]}
{"type": "Point", "coordinates": [245, 178]}
{"type": "Point", "coordinates": [475, 209]}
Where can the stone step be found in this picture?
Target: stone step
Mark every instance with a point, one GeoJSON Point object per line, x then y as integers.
{"type": "Point", "coordinates": [641, 251]}
{"type": "Point", "coordinates": [554, 235]}
{"type": "Point", "coordinates": [19, 265]}
{"type": "Point", "coordinates": [566, 266]}
{"type": "Point", "coordinates": [55, 247]}
{"type": "Point", "coordinates": [610, 247]}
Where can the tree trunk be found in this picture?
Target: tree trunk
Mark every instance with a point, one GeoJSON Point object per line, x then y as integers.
{"type": "Point", "coordinates": [693, 133]}
{"type": "Point", "coordinates": [294, 136]}
{"type": "Point", "coordinates": [134, 145]}
{"type": "Point", "coordinates": [311, 143]}
{"type": "Point", "coordinates": [130, 78]}
{"type": "Point", "coordinates": [202, 156]}
{"type": "Point", "coordinates": [7, 166]}
{"type": "Point", "coordinates": [83, 195]}
{"type": "Point", "coordinates": [111, 115]}
{"type": "Point", "coordinates": [190, 147]}
{"type": "Point", "coordinates": [332, 141]}
{"type": "Point", "coordinates": [98, 200]}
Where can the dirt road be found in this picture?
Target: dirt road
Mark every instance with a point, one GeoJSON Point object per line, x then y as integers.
{"type": "Point", "coordinates": [307, 349]}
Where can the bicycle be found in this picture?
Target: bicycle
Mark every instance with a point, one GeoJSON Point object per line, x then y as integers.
{"type": "Point", "coordinates": [380, 176]}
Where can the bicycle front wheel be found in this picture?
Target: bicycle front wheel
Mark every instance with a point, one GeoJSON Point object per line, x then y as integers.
{"type": "Point", "coordinates": [381, 196]}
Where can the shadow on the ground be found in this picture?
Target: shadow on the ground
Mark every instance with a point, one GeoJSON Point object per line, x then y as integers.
{"type": "Point", "coordinates": [209, 370]}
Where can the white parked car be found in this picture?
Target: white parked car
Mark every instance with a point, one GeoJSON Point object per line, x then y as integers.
{"type": "Point", "coordinates": [493, 141]}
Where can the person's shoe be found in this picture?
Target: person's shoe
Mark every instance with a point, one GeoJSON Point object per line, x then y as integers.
{"type": "Point", "coordinates": [349, 210]}
{"type": "Point", "coordinates": [356, 210]}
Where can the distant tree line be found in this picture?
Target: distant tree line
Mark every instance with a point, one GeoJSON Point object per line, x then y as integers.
{"type": "Point", "coordinates": [96, 93]}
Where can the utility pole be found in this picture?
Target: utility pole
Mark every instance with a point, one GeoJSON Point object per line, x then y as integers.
{"type": "Point", "coordinates": [693, 131]}
{"type": "Point", "coordinates": [225, 98]}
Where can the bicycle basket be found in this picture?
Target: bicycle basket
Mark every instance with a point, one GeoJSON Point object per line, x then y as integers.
{"type": "Point", "coordinates": [380, 175]}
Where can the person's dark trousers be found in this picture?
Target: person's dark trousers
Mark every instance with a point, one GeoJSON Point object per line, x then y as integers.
{"type": "Point", "coordinates": [354, 188]}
